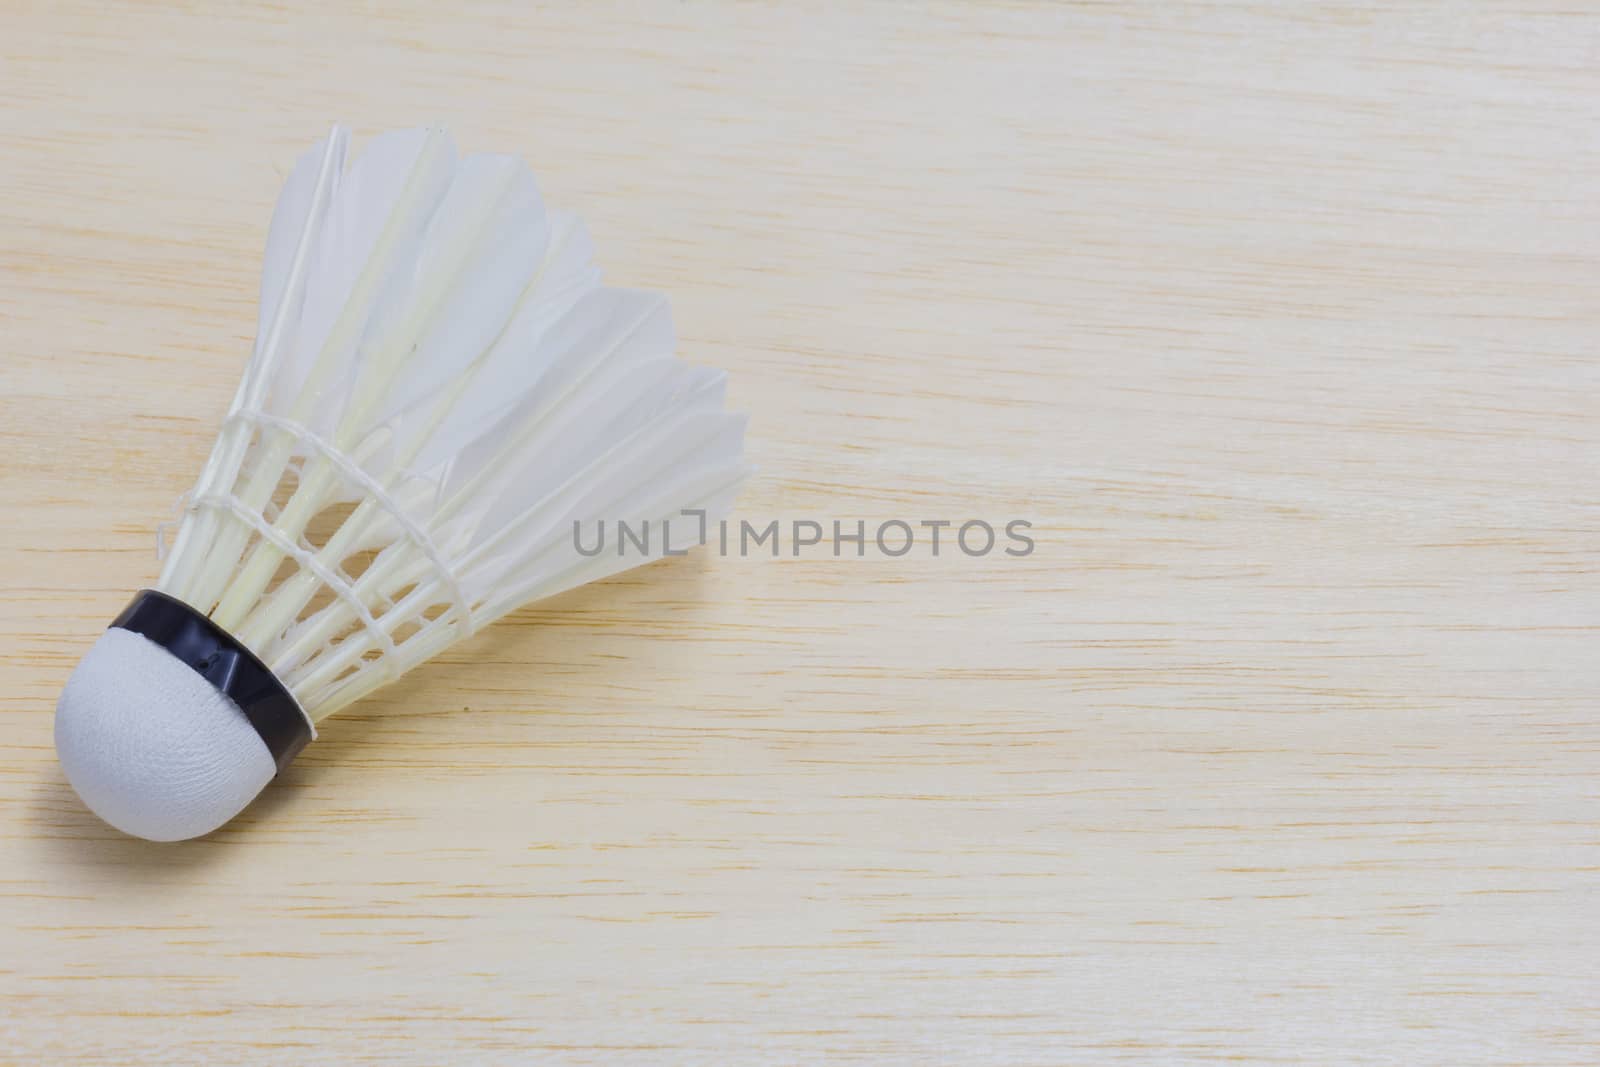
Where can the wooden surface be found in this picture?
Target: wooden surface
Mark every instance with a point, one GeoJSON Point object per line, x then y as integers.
{"type": "Point", "coordinates": [1279, 321]}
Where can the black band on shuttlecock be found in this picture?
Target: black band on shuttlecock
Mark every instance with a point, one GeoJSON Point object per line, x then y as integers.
{"type": "Point", "coordinates": [219, 658]}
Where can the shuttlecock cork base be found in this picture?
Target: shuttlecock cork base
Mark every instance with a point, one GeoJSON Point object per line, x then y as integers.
{"type": "Point", "coordinates": [169, 726]}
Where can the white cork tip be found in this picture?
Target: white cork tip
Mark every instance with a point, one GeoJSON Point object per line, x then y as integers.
{"type": "Point", "coordinates": [152, 747]}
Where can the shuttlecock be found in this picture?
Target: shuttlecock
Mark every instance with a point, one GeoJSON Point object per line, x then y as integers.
{"type": "Point", "coordinates": [440, 390]}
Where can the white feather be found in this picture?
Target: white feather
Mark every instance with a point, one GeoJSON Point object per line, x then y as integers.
{"type": "Point", "coordinates": [436, 352]}
{"type": "Point", "coordinates": [366, 251]}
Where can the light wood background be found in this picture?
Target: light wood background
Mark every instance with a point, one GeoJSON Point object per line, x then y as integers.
{"type": "Point", "coordinates": [1279, 321]}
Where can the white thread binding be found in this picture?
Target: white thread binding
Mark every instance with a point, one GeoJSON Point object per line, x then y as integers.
{"type": "Point", "coordinates": [376, 492]}
{"type": "Point", "coordinates": [195, 501]}
{"type": "Point", "coordinates": [333, 580]}
{"type": "Point", "coordinates": [180, 508]}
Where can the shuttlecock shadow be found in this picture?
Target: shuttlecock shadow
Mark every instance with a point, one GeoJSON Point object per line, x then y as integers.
{"type": "Point", "coordinates": [72, 836]}
{"type": "Point", "coordinates": [532, 639]}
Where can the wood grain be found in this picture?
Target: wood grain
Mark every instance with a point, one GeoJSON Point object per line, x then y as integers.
{"type": "Point", "coordinates": [1278, 321]}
